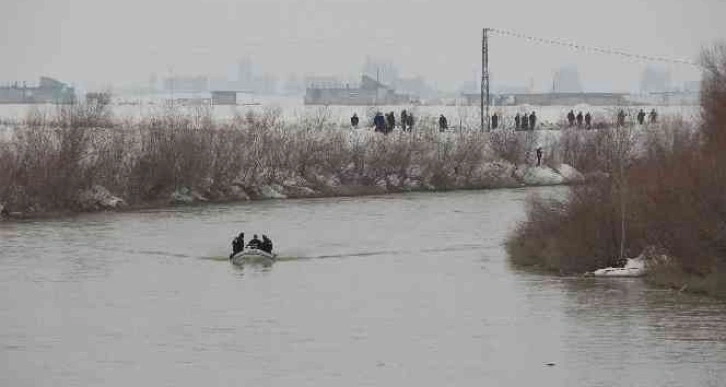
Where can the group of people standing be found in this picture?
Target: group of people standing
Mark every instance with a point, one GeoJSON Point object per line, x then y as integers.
{"type": "Point", "coordinates": [238, 244]}
{"type": "Point", "coordinates": [386, 123]}
{"type": "Point", "coordinates": [653, 117]}
{"type": "Point", "coordinates": [524, 121]}
{"type": "Point", "coordinates": [587, 118]}
{"type": "Point", "coordinates": [578, 119]}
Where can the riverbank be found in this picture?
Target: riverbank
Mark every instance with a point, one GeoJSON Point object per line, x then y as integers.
{"type": "Point", "coordinates": [85, 161]}
{"type": "Point", "coordinates": [98, 198]}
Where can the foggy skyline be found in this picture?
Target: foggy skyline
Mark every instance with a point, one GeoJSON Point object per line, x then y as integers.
{"type": "Point", "coordinates": [107, 42]}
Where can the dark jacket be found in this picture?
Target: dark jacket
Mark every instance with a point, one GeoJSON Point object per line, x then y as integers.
{"type": "Point", "coordinates": [254, 243]}
{"type": "Point", "coordinates": [266, 244]}
{"type": "Point", "coordinates": [379, 122]}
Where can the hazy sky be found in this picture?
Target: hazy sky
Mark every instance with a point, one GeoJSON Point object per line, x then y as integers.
{"type": "Point", "coordinates": [101, 41]}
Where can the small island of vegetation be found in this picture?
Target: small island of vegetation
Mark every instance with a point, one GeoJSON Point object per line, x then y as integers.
{"type": "Point", "coordinates": [665, 194]}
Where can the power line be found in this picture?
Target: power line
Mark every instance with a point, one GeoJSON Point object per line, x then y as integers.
{"type": "Point", "coordinates": [586, 48]}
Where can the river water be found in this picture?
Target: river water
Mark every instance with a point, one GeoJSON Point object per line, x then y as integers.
{"type": "Point", "coordinates": [410, 289]}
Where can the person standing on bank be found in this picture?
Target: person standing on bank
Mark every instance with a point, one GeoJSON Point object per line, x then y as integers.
{"type": "Point", "coordinates": [571, 118]}
{"type": "Point", "coordinates": [588, 120]}
{"type": "Point", "coordinates": [391, 116]}
{"type": "Point", "coordinates": [621, 118]}
{"type": "Point", "coordinates": [532, 121]}
{"type": "Point", "coordinates": [641, 117]}
{"type": "Point", "coordinates": [495, 121]}
{"type": "Point", "coordinates": [539, 156]}
{"type": "Point", "coordinates": [443, 124]}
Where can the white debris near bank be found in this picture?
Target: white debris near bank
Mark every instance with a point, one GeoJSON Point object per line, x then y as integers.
{"type": "Point", "coordinates": [541, 175]}
{"type": "Point", "coordinates": [569, 174]}
{"type": "Point", "coordinates": [634, 267]}
{"type": "Point", "coordinates": [272, 192]}
{"type": "Point", "coordinates": [98, 198]}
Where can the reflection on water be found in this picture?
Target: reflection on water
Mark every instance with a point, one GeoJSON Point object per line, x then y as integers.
{"type": "Point", "coordinates": [397, 290]}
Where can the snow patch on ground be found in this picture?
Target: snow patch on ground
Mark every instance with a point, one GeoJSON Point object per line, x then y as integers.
{"type": "Point", "coordinates": [273, 191]}
{"type": "Point", "coordinates": [569, 174]}
{"type": "Point", "coordinates": [540, 176]}
{"type": "Point", "coordinates": [98, 198]}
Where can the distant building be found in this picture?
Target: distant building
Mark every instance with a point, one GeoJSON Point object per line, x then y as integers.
{"type": "Point", "coordinates": [102, 98]}
{"type": "Point", "coordinates": [48, 90]}
{"type": "Point", "coordinates": [655, 80]}
{"type": "Point", "coordinates": [567, 80]}
{"type": "Point", "coordinates": [416, 86]}
{"type": "Point", "coordinates": [185, 84]}
{"type": "Point", "coordinates": [224, 98]}
{"type": "Point", "coordinates": [370, 92]}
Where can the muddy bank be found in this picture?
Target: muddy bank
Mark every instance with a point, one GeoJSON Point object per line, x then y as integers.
{"type": "Point", "coordinates": [490, 176]}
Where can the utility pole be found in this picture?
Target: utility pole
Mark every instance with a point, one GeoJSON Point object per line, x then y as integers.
{"type": "Point", "coordinates": [485, 79]}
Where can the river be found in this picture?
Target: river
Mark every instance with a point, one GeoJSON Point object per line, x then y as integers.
{"type": "Point", "coordinates": [411, 289]}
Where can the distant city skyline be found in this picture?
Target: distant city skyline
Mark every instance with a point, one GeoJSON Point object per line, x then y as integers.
{"type": "Point", "coordinates": [97, 42]}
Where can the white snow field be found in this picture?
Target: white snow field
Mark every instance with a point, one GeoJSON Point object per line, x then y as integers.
{"type": "Point", "coordinates": [292, 109]}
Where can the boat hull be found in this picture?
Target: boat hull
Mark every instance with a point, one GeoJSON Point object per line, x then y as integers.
{"type": "Point", "coordinates": [249, 256]}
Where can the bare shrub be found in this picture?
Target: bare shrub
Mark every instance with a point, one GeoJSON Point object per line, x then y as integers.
{"type": "Point", "coordinates": [571, 236]}
{"type": "Point", "coordinates": [713, 94]}
{"type": "Point", "coordinates": [513, 146]}
{"type": "Point", "coordinates": [667, 185]}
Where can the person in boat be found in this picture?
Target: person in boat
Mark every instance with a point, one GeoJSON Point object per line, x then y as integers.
{"type": "Point", "coordinates": [255, 243]}
{"type": "Point", "coordinates": [266, 244]}
{"type": "Point", "coordinates": [238, 244]}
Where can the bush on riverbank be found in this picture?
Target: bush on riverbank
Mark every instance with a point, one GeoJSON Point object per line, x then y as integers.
{"type": "Point", "coordinates": [672, 188]}
{"type": "Point", "coordinates": [83, 159]}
